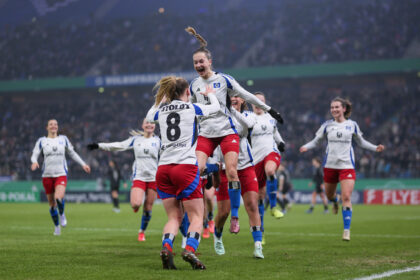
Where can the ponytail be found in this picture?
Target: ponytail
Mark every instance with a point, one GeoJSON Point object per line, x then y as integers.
{"type": "Point", "coordinates": [170, 87]}
{"type": "Point", "coordinates": [201, 40]}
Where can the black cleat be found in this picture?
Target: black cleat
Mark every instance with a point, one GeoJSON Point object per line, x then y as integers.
{"type": "Point", "coordinates": [190, 257]}
{"type": "Point", "coordinates": [167, 259]}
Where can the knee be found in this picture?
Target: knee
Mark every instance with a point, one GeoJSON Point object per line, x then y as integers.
{"type": "Point", "coordinates": [231, 172]}
{"type": "Point", "coordinates": [270, 173]}
{"type": "Point", "coordinates": [346, 198]}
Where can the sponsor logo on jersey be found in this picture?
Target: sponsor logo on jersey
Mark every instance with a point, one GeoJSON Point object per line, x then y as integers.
{"type": "Point", "coordinates": [264, 127]}
{"type": "Point", "coordinates": [339, 134]}
{"type": "Point", "coordinates": [146, 151]}
{"type": "Point", "coordinates": [216, 85]}
{"type": "Point", "coordinates": [55, 148]}
{"type": "Point", "coordinates": [198, 89]}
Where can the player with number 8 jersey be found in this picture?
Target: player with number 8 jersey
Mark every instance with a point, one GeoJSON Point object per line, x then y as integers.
{"type": "Point", "coordinates": [177, 177]}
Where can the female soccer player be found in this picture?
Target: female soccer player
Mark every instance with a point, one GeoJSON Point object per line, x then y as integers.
{"type": "Point", "coordinates": [177, 177]}
{"type": "Point", "coordinates": [339, 156]}
{"type": "Point", "coordinates": [54, 169]}
{"type": "Point", "coordinates": [266, 145]}
{"type": "Point", "coordinates": [243, 122]}
{"type": "Point", "coordinates": [318, 180]}
{"type": "Point", "coordinates": [146, 152]}
{"type": "Point", "coordinates": [219, 128]}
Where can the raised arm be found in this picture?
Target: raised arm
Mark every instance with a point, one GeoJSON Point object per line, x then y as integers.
{"type": "Point", "coordinates": [248, 121]}
{"type": "Point", "coordinates": [238, 90]}
{"type": "Point", "coordinates": [118, 146]}
{"type": "Point", "coordinates": [213, 107]}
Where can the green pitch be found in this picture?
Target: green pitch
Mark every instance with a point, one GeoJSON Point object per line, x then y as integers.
{"type": "Point", "coordinates": [100, 244]}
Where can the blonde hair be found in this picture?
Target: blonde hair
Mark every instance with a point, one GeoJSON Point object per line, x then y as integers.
{"type": "Point", "coordinates": [136, 132]}
{"type": "Point", "coordinates": [201, 40]}
{"type": "Point", "coordinates": [170, 87]}
{"type": "Point", "coordinates": [346, 104]}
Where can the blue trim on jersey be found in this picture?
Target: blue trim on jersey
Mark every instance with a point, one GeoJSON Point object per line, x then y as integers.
{"type": "Point", "coordinates": [355, 128]}
{"type": "Point", "coordinates": [325, 158]}
{"type": "Point", "coordinates": [232, 125]}
{"type": "Point", "coordinates": [164, 195]}
{"type": "Point", "coordinates": [135, 171]}
{"type": "Point", "coordinates": [198, 110]}
{"type": "Point", "coordinates": [67, 144]}
{"type": "Point", "coordinates": [64, 165]}
{"type": "Point", "coordinates": [191, 91]}
{"type": "Point", "coordinates": [191, 188]}
{"type": "Point", "coordinates": [40, 145]}
{"type": "Point", "coordinates": [351, 158]}
{"type": "Point", "coordinates": [132, 142]}
{"type": "Point", "coordinates": [194, 137]}
{"type": "Point", "coordinates": [250, 154]}
{"type": "Point", "coordinates": [228, 84]}
{"type": "Point", "coordinates": [155, 118]}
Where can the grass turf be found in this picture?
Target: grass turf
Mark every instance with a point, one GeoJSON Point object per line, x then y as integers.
{"type": "Point", "coordinates": [100, 244]}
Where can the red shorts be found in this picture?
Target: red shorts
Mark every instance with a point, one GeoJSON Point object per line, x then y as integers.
{"type": "Point", "coordinates": [181, 181]}
{"type": "Point", "coordinates": [144, 185]}
{"type": "Point", "coordinates": [333, 176]}
{"type": "Point", "coordinates": [248, 181]}
{"type": "Point", "coordinates": [50, 183]}
{"type": "Point", "coordinates": [260, 171]}
{"type": "Point", "coordinates": [228, 143]}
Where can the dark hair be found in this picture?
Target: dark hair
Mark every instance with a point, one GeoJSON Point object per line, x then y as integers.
{"type": "Point", "coordinates": [346, 104]}
{"type": "Point", "coordinates": [201, 40]}
{"type": "Point", "coordinates": [259, 93]}
{"type": "Point", "coordinates": [170, 86]}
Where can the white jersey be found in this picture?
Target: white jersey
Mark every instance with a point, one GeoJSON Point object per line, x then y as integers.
{"type": "Point", "coordinates": [339, 153]}
{"type": "Point", "coordinates": [243, 122]}
{"type": "Point", "coordinates": [54, 150]}
{"type": "Point", "coordinates": [146, 152]}
{"type": "Point", "coordinates": [264, 137]}
{"type": "Point", "coordinates": [220, 124]}
{"type": "Point", "coordinates": [178, 128]}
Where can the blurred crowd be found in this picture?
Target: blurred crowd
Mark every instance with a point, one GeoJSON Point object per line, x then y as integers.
{"type": "Point", "coordinates": [386, 114]}
{"type": "Point", "coordinates": [291, 32]}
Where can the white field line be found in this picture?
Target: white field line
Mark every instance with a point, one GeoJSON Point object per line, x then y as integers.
{"type": "Point", "coordinates": [388, 273]}
{"type": "Point", "coordinates": [338, 234]}
{"type": "Point", "coordinates": [268, 233]}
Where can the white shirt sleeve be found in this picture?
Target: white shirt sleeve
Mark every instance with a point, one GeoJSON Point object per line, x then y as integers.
{"type": "Point", "coordinates": [247, 121]}
{"type": "Point", "coordinates": [319, 136]}
{"type": "Point", "coordinates": [72, 153]}
{"type": "Point", "coordinates": [238, 90]}
{"type": "Point", "coordinates": [36, 151]}
{"type": "Point", "coordinates": [205, 110]}
{"type": "Point", "coordinates": [358, 137]}
{"type": "Point", "coordinates": [152, 114]}
{"type": "Point", "coordinates": [118, 146]}
{"type": "Point", "coordinates": [277, 137]}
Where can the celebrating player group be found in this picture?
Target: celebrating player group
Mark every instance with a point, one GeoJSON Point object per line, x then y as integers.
{"type": "Point", "coordinates": [209, 118]}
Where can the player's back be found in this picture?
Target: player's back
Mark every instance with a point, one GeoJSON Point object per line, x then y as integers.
{"type": "Point", "coordinates": [178, 127]}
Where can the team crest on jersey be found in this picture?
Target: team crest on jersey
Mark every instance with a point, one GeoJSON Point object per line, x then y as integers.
{"type": "Point", "coordinates": [339, 134]}
{"type": "Point", "coordinates": [216, 85]}
{"type": "Point", "coordinates": [264, 127]}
